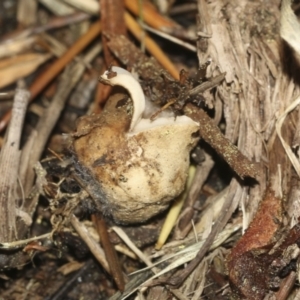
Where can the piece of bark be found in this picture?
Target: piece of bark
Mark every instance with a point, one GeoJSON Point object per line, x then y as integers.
{"type": "Point", "coordinates": [9, 163]}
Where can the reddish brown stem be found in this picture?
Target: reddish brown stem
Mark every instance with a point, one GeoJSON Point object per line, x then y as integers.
{"type": "Point", "coordinates": [112, 22]}
{"type": "Point", "coordinates": [110, 252]}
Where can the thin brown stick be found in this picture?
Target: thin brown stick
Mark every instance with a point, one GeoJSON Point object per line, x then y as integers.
{"type": "Point", "coordinates": [110, 252]}
{"type": "Point", "coordinates": [43, 80]}
{"type": "Point", "coordinates": [214, 137]}
{"type": "Point", "coordinates": [112, 22]}
{"type": "Point", "coordinates": [286, 286]}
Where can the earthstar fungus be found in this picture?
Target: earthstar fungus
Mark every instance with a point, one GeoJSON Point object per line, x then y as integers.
{"type": "Point", "coordinates": [139, 165]}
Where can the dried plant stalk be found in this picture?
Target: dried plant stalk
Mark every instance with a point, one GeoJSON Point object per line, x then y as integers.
{"type": "Point", "coordinates": [9, 163]}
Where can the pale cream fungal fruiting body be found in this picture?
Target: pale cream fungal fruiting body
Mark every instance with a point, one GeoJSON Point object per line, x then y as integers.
{"type": "Point", "coordinates": [139, 170]}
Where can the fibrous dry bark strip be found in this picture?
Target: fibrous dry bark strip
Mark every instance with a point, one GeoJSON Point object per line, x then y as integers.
{"type": "Point", "coordinates": [9, 164]}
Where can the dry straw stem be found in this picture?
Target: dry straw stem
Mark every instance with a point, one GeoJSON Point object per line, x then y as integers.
{"type": "Point", "coordinates": [21, 243]}
{"type": "Point", "coordinates": [9, 163]}
{"type": "Point", "coordinates": [287, 285]}
{"type": "Point", "coordinates": [112, 22]}
{"type": "Point", "coordinates": [121, 233]}
{"type": "Point", "coordinates": [170, 38]}
{"type": "Point", "coordinates": [151, 46]}
{"type": "Point", "coordinates": [44, 79]}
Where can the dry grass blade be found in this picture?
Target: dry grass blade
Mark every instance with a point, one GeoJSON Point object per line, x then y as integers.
{"type": "Point", "coordinates": [12, 69]}
{"type": "Point", "coordinates": [8, 48]}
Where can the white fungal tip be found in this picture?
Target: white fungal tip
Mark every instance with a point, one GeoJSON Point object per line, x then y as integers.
{"type": "Point", "coordinates": [119, 76]}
